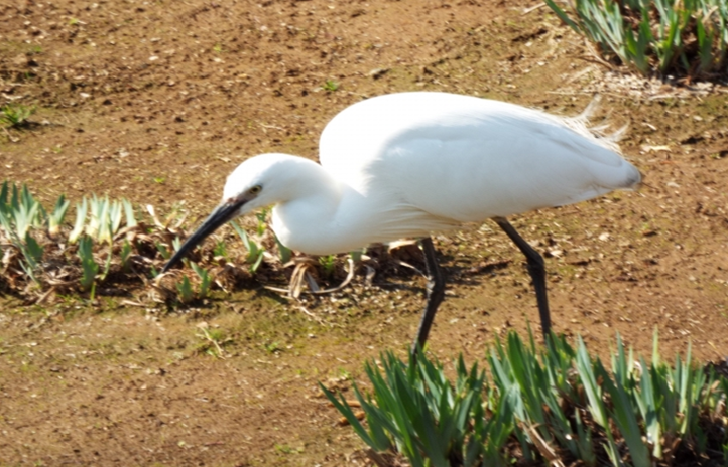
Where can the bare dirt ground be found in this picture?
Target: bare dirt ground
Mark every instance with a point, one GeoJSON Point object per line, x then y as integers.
{"type": "Point", "coordinates": [157, 101]}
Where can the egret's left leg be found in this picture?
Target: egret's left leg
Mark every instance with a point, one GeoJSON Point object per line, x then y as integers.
{"type": "Point", "coordinates": [535, 270]}
{"type": "Point", "coordinates": [435, 293]}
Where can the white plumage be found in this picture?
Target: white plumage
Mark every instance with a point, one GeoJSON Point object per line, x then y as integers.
{"type": "Point", "coordinates": [406, 165]}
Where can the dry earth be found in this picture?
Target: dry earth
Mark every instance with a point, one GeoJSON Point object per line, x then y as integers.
{"type": "Point", "coordinates": [157, 101]}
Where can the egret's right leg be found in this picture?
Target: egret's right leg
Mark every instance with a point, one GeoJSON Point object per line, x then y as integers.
{"type": "Point", "coordinates": [435, 293]}
{"type": "Point", "coordinates": [535, 270]}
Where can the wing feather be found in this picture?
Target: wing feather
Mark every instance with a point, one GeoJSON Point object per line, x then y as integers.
{"type": "Point", "coordinates": [468, 159]}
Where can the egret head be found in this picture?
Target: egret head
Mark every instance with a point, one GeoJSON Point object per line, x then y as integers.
{"type": "Point", "coordinates": [258, 182]}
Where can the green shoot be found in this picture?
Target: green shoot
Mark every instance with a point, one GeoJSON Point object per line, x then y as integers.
{"type": "Point", "coordinates": [56, 217]}
{"type": "Point", "coordinates": [262, 221]}
{"type": "Point", "coordinates": [284, 254]}
{"type": "Point", "coordinates": [205, 278]}
{"type": "Point", "coordinates": [255, 251]}
{"type": "Point", "coordinates": [163, 251]}
{"type": "Point", "coordinates": [220, 250]}
{"type": "Point", "coordinates": [124, 254]}
{"type": "Point", "coordinates": [81, 210]}
{"type": "Point", "coordinates": [329, 264]}
{"type": "Point", "coordinates": [331, 86]}
{"type": "Point", "coordinates": [32, 252]}
{"type": "Point", "coordinates": [4, 206]}
{"type": "Point", "coordinates": [185, 291]}
{"type": "Point", "coordinates": [107, 268]}
{"type": "Point", "coordinates": [129, 213]}
{"type": "Point", "coordinates": [88, 264]}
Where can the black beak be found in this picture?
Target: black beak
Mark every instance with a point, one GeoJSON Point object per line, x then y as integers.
{"type": "Point", "coordinates": [223, 213]}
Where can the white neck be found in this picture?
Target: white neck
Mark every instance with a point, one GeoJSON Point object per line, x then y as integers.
{"type": "Point", "coordinates": [307, 215]}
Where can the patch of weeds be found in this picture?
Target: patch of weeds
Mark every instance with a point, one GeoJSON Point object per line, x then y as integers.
{"type": "Point", "coordinates": [187, 292]}
{"type": "Point", "coordinates": [542, 402]}
{"type": "Point", "coordinates": [344, 374]}
{"type": "Point", "coordinates": [283, 448]}
{"type": "Point", "coordinates": [19, 213]}
{"type": "Point", "coordinates": [688, 37]}
{"type": "Point", "coordinates": [272, 347]}
{"type": "Point", "coordinates": [15, 115]}
{"type": "Point", "coordinates": [286, 449]}
{"type": "Point", "coordinates": [331, 86]}
{"type": "Point", "coordinates": [214, 341]}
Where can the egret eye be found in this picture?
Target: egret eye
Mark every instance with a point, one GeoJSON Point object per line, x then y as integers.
{"type": "Point", "coordinates": [255, 190]}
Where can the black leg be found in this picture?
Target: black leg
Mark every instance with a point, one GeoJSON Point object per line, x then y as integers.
{"type": "Point", "coordinates": [535, 270]}
{"type": "Point", "coordinates": [435, 294]}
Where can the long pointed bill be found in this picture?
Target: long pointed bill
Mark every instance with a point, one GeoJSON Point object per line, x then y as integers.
{"type": "Point", "coordinates": [223, 213]}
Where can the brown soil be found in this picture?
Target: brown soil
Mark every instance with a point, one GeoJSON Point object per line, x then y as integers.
{"type": "Point", "coordinates": [158, 101]}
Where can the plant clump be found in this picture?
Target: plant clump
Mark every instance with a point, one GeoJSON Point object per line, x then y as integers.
{"type": "Point", "coordinates": [15, 115]}
{"type": "Point", "coordinates": [108, 250]}
{"type": "Point", "coordinates": [682, 37]}
{"type": "Point", "coordinates": [560, 406]}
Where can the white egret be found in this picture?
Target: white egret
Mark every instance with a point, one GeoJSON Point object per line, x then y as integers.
{"type": "Point", "coordinates": [406, 165]}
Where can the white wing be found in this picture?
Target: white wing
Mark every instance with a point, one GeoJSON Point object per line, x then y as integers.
{"type": "Point", "coordinates": [468, 159]}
